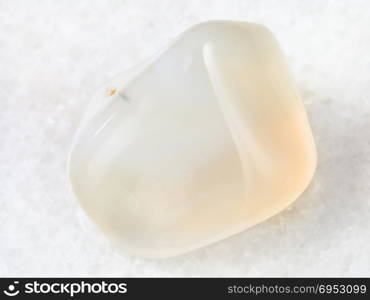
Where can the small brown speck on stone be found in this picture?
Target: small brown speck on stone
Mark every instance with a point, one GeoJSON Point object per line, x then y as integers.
{"type": "Point", "coordinates": [111, 92]}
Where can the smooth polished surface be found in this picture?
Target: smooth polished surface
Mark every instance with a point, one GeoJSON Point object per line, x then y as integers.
{"type": "Point", "coordinates": [51, 52]}
{"type": "Point", "coordinates": [204, 140]}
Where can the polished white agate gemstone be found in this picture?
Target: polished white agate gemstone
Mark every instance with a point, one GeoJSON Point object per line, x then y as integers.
{"type": "Point", "coordinates": [202, 141]}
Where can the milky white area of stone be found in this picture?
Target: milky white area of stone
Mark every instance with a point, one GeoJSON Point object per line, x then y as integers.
{"type": "Point", "coordinates": [204, 140]}
{"type": "Point", "coordinates": [55, 54]}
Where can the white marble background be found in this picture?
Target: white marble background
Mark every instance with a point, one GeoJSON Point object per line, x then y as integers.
{"type": "Point", "coordinates": [53, 54]}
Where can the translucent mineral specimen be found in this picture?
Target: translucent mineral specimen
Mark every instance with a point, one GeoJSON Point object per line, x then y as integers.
{"type": "Point", "coordinates": [202, 141]}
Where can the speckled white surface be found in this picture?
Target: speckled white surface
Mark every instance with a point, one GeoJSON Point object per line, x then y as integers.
{"type": "Point", "coordinates": [53, 54]}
